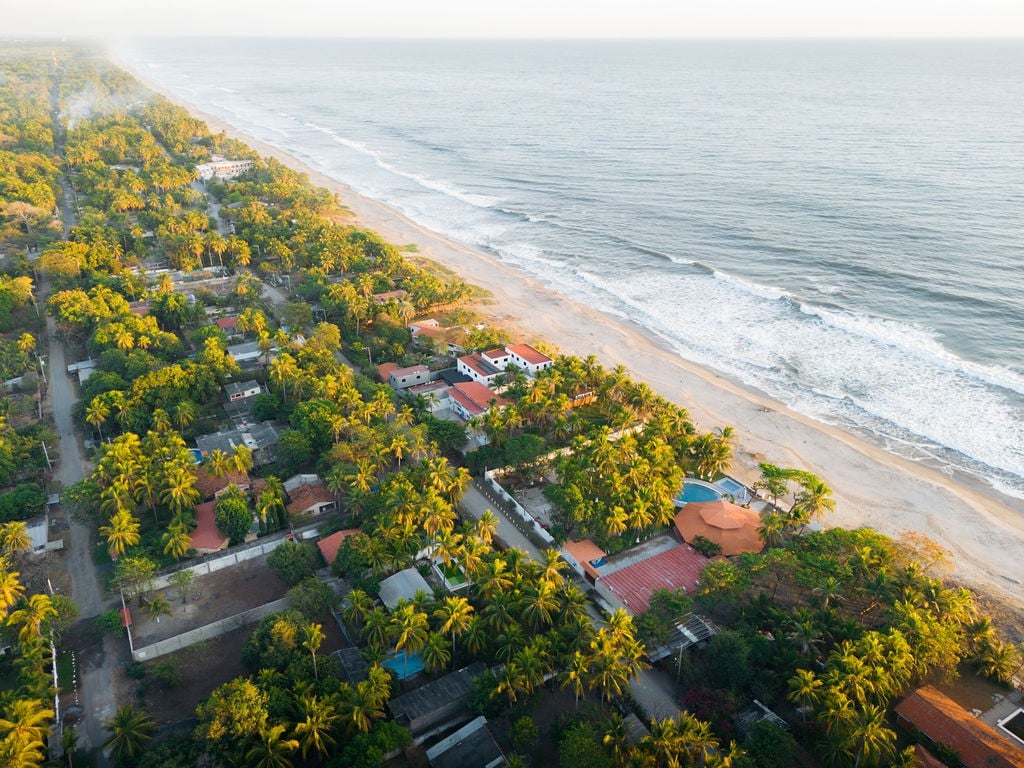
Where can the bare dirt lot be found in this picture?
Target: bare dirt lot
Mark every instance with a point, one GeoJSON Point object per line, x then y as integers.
{"type": "Point", "coordinates": [212, 597]}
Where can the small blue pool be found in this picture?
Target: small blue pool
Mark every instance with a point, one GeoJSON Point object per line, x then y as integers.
{"type": "Point", "coordinates": [729, 485]}
{"type": "Point", "coordinates": [698, 490]}
{"type": "Point", "coordinates": [197, 455]}
{"type": "Point", "coordinates": [404, 664]}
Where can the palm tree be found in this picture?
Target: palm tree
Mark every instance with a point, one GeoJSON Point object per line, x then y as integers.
{"type": "Point", "coordinates": [218, 462]}
{"type": "Point", "coordinates": [315, 731]}
{"type": "Point", "coordinates": [176, 540]}
{"type": "Point", "coordinates": [123, 532]}
{"type": "Point", "coordinates": [11, 590]}
{"type": "Point", "coordinates": [436, 652]}
{"type": "Point", "coordinates": [804, 691]}
{"type": "Point", "coordinates": [868, 735]}
{"type": "Point", "coordinates": [26, 720]}
{"type": "Point", "coordinates": [362, 705]}
{"type": "Point", "coordinates": [772, 528]}
{"type": "Point", "coordinates": [96, 414]}
{"type": "Point", "coordinates": [180, 491]}
{"type": "Point", "coordinates": [410, 629]}
{"type": "Point", "coordinates": [453, 615]}
{"type": "Point", "coordinates": [487, 526]}
{"type": "Point", "coordinates": [130, 729]}
{"type": "Point", "coordinates": [377, 628]}
{"type": "Point", "coordinates": [31, 616]}
{"type": "Point", "coordinates": [272, 751]}
{"type": "Point", "coordinates": [314, 636]}
{"type": "Point", "coordinates": [157, 607]}
{"type": "Point", "coordinates": [358, 608]}
{"type": "Point", "coordinates": [575, 675]}
{"type": "Point", "coordinates": [813, 501]}
{"type": "Point", "coordinates": [185, 413]}
{"type": "Point", "coordinates": [14, 537]}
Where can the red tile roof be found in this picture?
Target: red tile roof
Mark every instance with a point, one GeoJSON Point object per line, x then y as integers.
{"type": "Point", "coordinates": [384, 371]}
{"type": "Point", "coordinates": [207, 537]}
{"type": "Point", "coordinates": [426, 329]}
{"type": "Point", "coordinates": [529, 354]}
{"type": "Point", "coordinates": [944, 721]}
{"type": "Point", "coordinates": [477, 362]}
{"type": "Point", "coordinates": [474, 397]}
{"type": "Point", "coordinates": [679, 567]}
{"type": "Point", "coordinates": [382, 298]}
{"type": "Point", "coordinates": [227, 323]}
{"type": "Point", "coordinates": [329, 545]}
{"type": "Point", "coordinates": [305, 496]}
{"type": "Point", "coordinates": [210, 485]}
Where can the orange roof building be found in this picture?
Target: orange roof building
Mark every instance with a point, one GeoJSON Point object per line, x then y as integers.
{"type": "Point", "coordinates": [582, 555]}
{"type": "Point", "coordinates": [329, 545]}
{"type": "Point", "coordinates": [211, 486]}
{"type": "Point", "coordinates": [313, 498]}
{"type": "Point", "coordinates": [206, 537]}
{"type": "Point", "coordinates": [733, 528]}
{"type": "Point", "coordinates": [945, 722]}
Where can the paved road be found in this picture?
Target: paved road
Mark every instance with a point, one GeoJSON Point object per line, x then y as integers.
{"type": "Point", "coordinates": [652, 689]}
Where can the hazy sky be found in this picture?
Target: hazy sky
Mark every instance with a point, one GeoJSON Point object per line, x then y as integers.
{"type": "Point", "coordinates": [116, 19]}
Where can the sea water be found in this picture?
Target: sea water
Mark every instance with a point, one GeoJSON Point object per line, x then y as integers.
{"type": "Point", "coordinates": [838, 224]}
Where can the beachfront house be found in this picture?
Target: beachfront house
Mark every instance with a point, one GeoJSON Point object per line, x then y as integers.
{"type": "Point", "coordinates": [471, 399]}
{"type": "Point", "coordinates": [485, 367]}
{"type": "Point", "coordinates": [222, 168]}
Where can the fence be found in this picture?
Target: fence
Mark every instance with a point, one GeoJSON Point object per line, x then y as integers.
{"type": "Point", "coordinates": [513, 507]}
{"type": "Point", "coordinates": [234, 556]}
{"type": "Point", "coordinates": [209, 631]}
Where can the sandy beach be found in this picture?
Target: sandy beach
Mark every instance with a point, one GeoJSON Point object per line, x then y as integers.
{"type": "Point", "coordinates": [872, 487]}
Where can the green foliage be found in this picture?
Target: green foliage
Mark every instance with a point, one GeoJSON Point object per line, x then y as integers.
{"type": "Point", "coordinates": [293, 561]}
{"type": "Point", "coordinates": [524, 734]}
{"type": "Point", "coordinates": [110, 622]}
{"type": "Point", "coordinates": [311, 597]}
{"type": "Point", "coordinates": [769, 746]}
{"type": "Point", "coordinates": [232, 515]}
{"type": "Point", "coordinates": [581, 745]}
{"type": "Point", "coordinates": [706, 546]}
{"type": "Point", "coordinates": [294, 451]}
{"type": "Point", "coordinates": [24, 502]}
{"type": "Point", "coordinates": [166, 673]}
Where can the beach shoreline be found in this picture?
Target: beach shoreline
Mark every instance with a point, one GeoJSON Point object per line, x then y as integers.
{"type": "Point", "coordinates": [983, 529]}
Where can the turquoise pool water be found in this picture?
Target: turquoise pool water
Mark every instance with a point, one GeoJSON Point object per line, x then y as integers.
{"type": "Point", "coordinates": [698, 491]}
{"type": "Point", "coordinates": [404, 665]}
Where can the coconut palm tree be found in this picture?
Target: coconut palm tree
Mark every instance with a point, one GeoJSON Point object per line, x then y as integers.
{"type": "Point", "coordinates": [314, 732]}
{"type": "Point", "coordinates": [157, 607]}
{"type": "Point", "coordinates": [358, 607]}
{"type": "Point", "coordinates": [26, 720]}
{"type": "Point", "coordinates": [805, 690]}
{"type": "Point", "coordinates": [272, 750]}
{"type": "Point", "coordinates": [122, 533]}
{"type": "Point", "coordinates": [410, 629]}
{"type": "Point", "coordinates": [772, 529]}
{"type": "Point", "coordinates": [575, 674]}
{"type": "Point", "coordinates": [218, 463]}
{"type": "Point", "coordinates": [377, 628]}
{"type": "Point", "coordinates": [176, 540]}
{"type": "Point", "coordinates": [130, 730]}
{"type": "Point", "coordinates": [868, 737]}
{"type": "Point", "coordinates": [38, 609]}
{"type": "Point", "coordinates": [487, 526]}
{"type": "Point", "coordinates": [11, 590]}
{"type": "Point", "coordinates": [436, 652]}
{"type": "Point", "coordinates": [180, 493]}
{"type": "Point", "coordinates": [314, 636]}
{"type": "Point", "coordinates": [454, 615]}
{"type": "Point", "coordinates": [96, 413]}
{"type": "Point", "coordinates": [14, 538]}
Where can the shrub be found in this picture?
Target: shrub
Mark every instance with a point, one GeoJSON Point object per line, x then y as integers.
{"type": "Point", "coordinates": [292, 561]}
{"type": "Point", "coordinates": [706, 547]}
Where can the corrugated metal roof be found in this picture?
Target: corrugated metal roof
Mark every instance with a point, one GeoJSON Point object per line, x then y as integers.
{"type": "Point", "coordinates": [676, 568]}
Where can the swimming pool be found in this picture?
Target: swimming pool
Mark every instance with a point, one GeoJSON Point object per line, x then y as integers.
{"type": "Point", "coordinates": [729, 485]}
{"type": "Point", "coordinates": [697, 490]}
{"type": "Point", "coordinates": [404, 664]}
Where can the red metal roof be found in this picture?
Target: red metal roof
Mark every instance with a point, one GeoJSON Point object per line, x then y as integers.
{"type": "Point", "coordinates": [475, 397]}
{"type": "Point", "coordinates": [676, 568]}
{"type": "Point", "coordinates": [944, 721]}
{"type": "Point", "coordinates": [227, 323]}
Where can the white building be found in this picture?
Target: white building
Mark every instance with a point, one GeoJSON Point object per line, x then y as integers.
{"type": "Point", "coordinates": [223, 169]}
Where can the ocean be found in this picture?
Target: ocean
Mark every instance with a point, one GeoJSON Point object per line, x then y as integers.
{"type": "Point", "coordinates": [836, 223]}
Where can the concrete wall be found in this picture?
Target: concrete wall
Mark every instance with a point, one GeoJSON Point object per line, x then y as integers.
{"type": "Point", "coordinates": [518, 509]}
{"type": "Point", "coordinates": [208, 632]}
{"type": "Point", "coordinates": [234, 556]}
